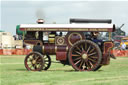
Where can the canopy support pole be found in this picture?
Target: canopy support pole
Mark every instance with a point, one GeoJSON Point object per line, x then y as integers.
{"type": "Point", "coordinates": [110, 35]}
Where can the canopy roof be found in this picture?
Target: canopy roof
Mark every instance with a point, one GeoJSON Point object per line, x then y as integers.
{"type": "Point", "coordinates": [68, 27]}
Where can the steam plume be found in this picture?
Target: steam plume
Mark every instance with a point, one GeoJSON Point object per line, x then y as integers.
{"type": "Point", "coordinates": [40, 14]}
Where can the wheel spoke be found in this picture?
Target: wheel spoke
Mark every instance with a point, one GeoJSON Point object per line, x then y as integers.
{"type": "Point", "coordinates": [78, 48]}
{"type": "Point", "coordinates": [46, 61]}
{"type": "Point", "coordinates": [77, 62]}
{"type": "Point", "coordinates": [29, 60]}
{"type": "Point", "coordinates": [30, 57]}
{"type": "Point", "coordinates": [34, 66]}
{"type": "Point", "coordinates": [84, 66]}
{"type": "Point", "coordinates": [92, 54]}
{"type": "Point", "coordinates": [91, 50]}
{"type": "Point", "coordinates": [38, 62]}
{"type": "Point", "coordinates": [78, 52]}
{"type": "Point", "coordinates": [93, 57]}
{"type": "Point", "coordinates": [31, 66]}
{"type": "Point", "coordinates": [37, 66]}
{"type": "Point", "coordinates": [92, 60]}
{"type": "Point", "coordinates": [37, 58]}
{"type": "Point", "coordinates": [82, 47]}
{"type": "Point", "coordinates": [88, 48]}
{"type": "Point", "coordinates": [88, 66]}
{"type": "Point", "coordinates": [77, 58]}
{"type": "Point", "coordinates": [91, 65]}
{"type": "Point", "coordinates": [81, 63]}
{"type": "Point", "coordinates": [45, 57]}
{"type": "Point", "coordinates": [34, 56]}
{"type": "Point", "coordinates": [29, 63]}
{"type": "Point", "coordinates": [75, 55]}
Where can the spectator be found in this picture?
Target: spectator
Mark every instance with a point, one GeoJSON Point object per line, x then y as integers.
{"type": "Point", "coordinates": [123, 46]}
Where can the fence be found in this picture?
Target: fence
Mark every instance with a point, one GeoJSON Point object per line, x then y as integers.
{"type": "Point", "coordinates": [15, 51]}
{"type": "Point", "coordinates": [120, 53]}
{"type": "Point", "coordinates": [117, 53]}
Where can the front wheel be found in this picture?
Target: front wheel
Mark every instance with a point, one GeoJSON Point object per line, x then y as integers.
{"type": "Point", "coordinates": [85, 55]}
{"type": "Point", "coordinates": [34, 61]}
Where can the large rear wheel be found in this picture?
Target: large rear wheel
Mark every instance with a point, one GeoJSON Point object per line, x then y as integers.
{"type": "Point", "coordinates": [85, 55]}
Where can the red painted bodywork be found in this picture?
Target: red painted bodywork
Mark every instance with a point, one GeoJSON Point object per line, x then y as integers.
{"type": "Point", "coordinates": [49, 48]}
{"type": "Point", "coordinates": [74, 38]}
{"type": "Point", "coordinates": [61, 55]}
{"type": "Point", "coordinates": [60, 51]}
{"type": "Point", "coordinates": [106, 52]}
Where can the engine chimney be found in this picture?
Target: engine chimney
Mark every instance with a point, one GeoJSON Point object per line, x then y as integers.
{"type": "Point", "coordinates": [40, 21]}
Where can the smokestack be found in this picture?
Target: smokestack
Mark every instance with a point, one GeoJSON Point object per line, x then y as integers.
{"type": "Point", "coordinates": [40, 21]}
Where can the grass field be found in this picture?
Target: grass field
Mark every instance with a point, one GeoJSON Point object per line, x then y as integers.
{"type": "Point", "coordinates": [13, 72]}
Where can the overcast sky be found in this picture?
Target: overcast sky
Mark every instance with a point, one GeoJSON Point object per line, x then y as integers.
{"type": "Point", "coordinates": [25, 12]}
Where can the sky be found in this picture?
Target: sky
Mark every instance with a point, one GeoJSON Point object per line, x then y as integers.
{"type": "Point", "coordinates": [60, 11]}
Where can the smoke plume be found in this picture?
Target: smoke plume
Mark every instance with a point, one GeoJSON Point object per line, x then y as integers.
{"type": "Point", "coordinates": [40, 14]}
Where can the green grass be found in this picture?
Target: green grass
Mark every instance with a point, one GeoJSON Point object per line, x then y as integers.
{"type": "Point", "coordinates": [13, 72]}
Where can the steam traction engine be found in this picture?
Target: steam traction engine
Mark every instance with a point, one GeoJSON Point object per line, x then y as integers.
{"type": "Point", "coordinates": [73, 44]}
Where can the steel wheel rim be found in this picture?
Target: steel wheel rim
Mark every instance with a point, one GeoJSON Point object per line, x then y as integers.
{"type": "Point", "coordinates": [34, 61]}
{"type": "Point", "coordinates": [84, 56]}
